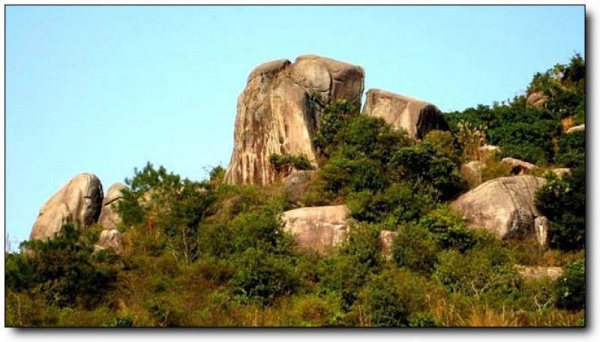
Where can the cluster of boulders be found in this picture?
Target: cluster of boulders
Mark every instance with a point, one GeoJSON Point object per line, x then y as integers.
{"type": "Point", "coordinates": [82, 202]}
{"type": "Point", "coordinates": [279, 112]}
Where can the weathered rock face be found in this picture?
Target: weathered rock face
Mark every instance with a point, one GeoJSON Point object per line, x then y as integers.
{"type": "Point", "coordinates": [471, 172]}
{"type": "Point", "coordinates": [542, 229]}
{"type": "Point", "coordinates": [537, 99]}
{"type": "Point", "coordinates": [561, 172]}
{"type": "Point", "coordinates": [317, 228]}
{"type": "Point", "coordinates": [576, 129]}
{"type": "Point", "coordinates": [415, 116]}
{"type": "Point", "coordinates": [297, 183]}
{"type": "Point", "coordinates": [386, 242]}
{"type": "Point", "coordinates": [110, 239]}
{"type": "Point", "coordinates": [279, 112]}
{"type": "Point", "coordinates": [109, 218]}
{"type": "Point", "coordinates": [517, 166]}
{"type": "Point", "coordinates": [538, 272]}
{"type": "Point", "coordinates": [504, 206]}
{"type": "Point", "coordinates": [78, 200]}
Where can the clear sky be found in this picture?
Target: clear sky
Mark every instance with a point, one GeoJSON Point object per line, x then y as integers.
{"type": "Point", "coordinates": [106, 89]}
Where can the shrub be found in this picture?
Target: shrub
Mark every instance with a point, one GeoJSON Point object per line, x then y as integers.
{"type": "Point", "coordinates": [449, 228]}
{"type": "Point", "coordinates": [390, 298]}
{"type": "Point", "coordinates": [283, 163]}
{"type": "Point", "coordinates": [65, 270]}
{"type": "Point", "coordinates": [262, 277]}
{"type": "Point", "coordinates": [416, 249]}
{"type": "Point", "coordinates": [570, 287]}
{"type": "Point", "coordinates": [563, 202]}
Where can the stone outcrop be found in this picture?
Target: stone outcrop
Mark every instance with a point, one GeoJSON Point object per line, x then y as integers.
{"type": "Point", "coordinates": [504, 206]}
{"type": "Point", "coordinates": [538, 272]}
{"type": "Point", "coordinates": [297, 183]}
{"type": "Point", "coordinates": [110, 239]}
{"type": "Point", "coordinates": [279, 112]}
{"type": "Point", "coordinates": [537, 99]}
{"type": "Point", "coordinates": [576, 129]}
{"type": "Point", "coordinates": [542, 227]}
{"type": "Point", "coordinates": [317, 228]}
{"type": "Point", "coordinates": [471, 172]}
{"type": "Point", "coordinates": [386, 242]}
{"type": "Point", "coordinates": [561, 172]}
{"type": "Point", "coordinates": [109, 218]}
{"type": "Point", "coordinates": [80, 200]}
{"type": "Point", "coordinates": [517, 166]}
{"type": "Point", "coordinates": [415, 116]}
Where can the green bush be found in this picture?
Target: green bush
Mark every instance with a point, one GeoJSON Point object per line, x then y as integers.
{"type": "Point", "coordinates": [285, 162]}
{"type": "Point", "coordinates": [570, 287]}
{"type": "Point", "coordinates": [262, 277]}
{"type": "Point", "coordinates": [563, 202]}
{"type": "Point", "coordinates": [449, 228]}
{"type": "Point", "coordinates": [416, 249]}
{"type": "Point", "coordinates": [392, 297]}
{"type": "Point", "coordinates": [64, 269]}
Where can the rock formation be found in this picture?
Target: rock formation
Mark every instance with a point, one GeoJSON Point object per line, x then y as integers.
{"type": "Point", "coordinates": [279, 112]}
{"type": "Point", "coordinates": [471, 172]}
{"type": "Point", "coordinates": [504, 206]}
{"type": "Point", "coordinates": [415, 116]}
{"type": "Point", "coordinates": [537, 99]}
{"type": "Point", "coordinates": [386, 242]}
{"type": "Point", "coordinates": [517, 166]}
{"type": "Point", "coordinates": [80, 200]}
{"type": "Point", "coordinates": [297, 183]}
{"type": "Point", "coordinates": [538, 272]}
{"type": "Point", "coordinates": [109, 219]}
{"type": "Point", "coordinates": [576, 129]}
{"type": "Point", "coordinates": [561, 172]}
{"type": "Point", "coordinates": [317, 228]}
{"type": "Point", "coordinates": [542, 226]}
{"type": "Point", "coordinates": [110, 239]}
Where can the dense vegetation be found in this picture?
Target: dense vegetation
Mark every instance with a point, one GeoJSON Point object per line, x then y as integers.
{"type": "Point", "coordinates": [212, 254]}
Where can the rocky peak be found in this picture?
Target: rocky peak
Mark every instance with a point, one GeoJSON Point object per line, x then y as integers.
{"type": "Point", "coordinates": [279, 112]}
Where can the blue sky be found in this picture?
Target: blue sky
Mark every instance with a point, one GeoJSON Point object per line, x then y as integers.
{"type": "Point", "coordinates": [106, 89]}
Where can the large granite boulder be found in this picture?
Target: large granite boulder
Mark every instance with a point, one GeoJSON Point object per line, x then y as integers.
{"type": "Point", "coordinates": [297, 183]}
{"type": "Point", "coordinates": [472, 173]}
{"type": "Point", "coordinates": [79, 200]}
{"type": "Point", "coordinates": [110, 239]}
{"type": "Point", "coordinates": [109, 218]}
{"type": "Point", "coordinates": [415, 116]}
{"type": "Point", "coordinates": [279, 112]}
{"type": "Point", "coordinates": [504, 206]}
{"type": "Point", "coordinates": [386, 243]}
{"type": "Point", "coordinates": [518, 166]}
{"type": "Point", "coordinates": [537, 99]}
{"type": "Point", "coordinates": [576, 129]}
{"type": "Point", "coordinates": [317, 228]}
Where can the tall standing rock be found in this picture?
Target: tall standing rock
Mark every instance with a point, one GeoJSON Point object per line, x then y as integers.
{"type": "Point", "coordinates": [279, 112]}
{"type": "Point", "coordinates": [504, 206]}
{"type": "Point", "coordinates": [109, 218]}
{"type": "Point", "coordinates": [79, 200]}
{"type": "Point", "coordinates": [415, 116]}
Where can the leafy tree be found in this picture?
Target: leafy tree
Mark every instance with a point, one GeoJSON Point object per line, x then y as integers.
{"type": "Point", "coordinates": [570, 287]}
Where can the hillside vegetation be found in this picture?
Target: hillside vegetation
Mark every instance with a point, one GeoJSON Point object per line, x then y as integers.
{"type": "Point", "coordinates": [206, 253]}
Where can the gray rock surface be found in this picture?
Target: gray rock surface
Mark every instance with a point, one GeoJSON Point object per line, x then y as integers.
{"type": "Point", "coordinates": [79, 200]}
{"type": "Point", "coordinates": [471, 172]}
{"type": "Point", "coordinates": [517, 166]}
{"type": "Point", "coordinates": [279, 112]}
{"type": "Point", "coordinates": [504, 206]}
{"type": "Point", "coordinates": [317, 228]}
{"type": "Point", "coordinates": [538, 272]}
{"type": "Point", "coordinates": [415, 116]}
{"type": "Point", "coordinates": [386, 242]}
{"type": "Point", "coordinates": [542, 229]}
{"type": "Point", "coordinates": [109, 218]}
{"type": "Point", "coordinates": [537, 99]}
{"type": "Point", "coordinates": [576, 129]}
{"type": "Point", "coordinates": [110, 239]}
{"type": "Point", "coordinates": [297, 183]}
